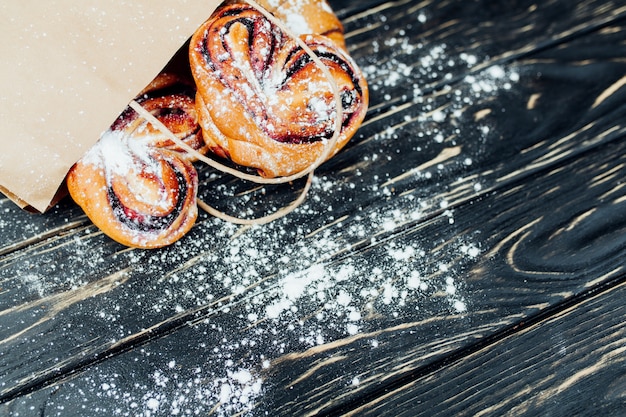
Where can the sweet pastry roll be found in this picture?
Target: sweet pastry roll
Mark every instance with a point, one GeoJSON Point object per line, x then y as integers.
{"type": "Point", "coordinates": [138, 195]}
{"type": "Point", "coordinates": [261, 99]}
{"type": "Point", "coordinates": [304, 17]}
{"type": "Point", "coordinates": [141, 197]}
{"type": "Point", "coordinates": [171, 100]}
{"type": "Point", "coordinates": [135, 184]}
{"type": "Point", "coordinates": [254, 95]}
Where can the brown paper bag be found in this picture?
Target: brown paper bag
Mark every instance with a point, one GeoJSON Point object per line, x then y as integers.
{"type": "Point", "coordinates": [69, 68]}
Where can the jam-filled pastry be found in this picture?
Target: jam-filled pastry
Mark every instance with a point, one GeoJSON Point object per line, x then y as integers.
{"type": "Point", "coordinates": [135, 184]}
{"type": "Point", "coordinates": [303, 17]}
{"type": "Point", "coordinates": [261, 99]}
{"type": "Point", "coordinates": [138, 195]}
{"type": "Point", "coordinates": [171, 101]}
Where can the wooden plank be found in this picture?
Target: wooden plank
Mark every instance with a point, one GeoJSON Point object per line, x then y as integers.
{"type": "Point", "coordinates": [531, 258]}
{"type": "Point", "coordinates": [19, 229]}
{"type": "Point", "coordinates": [528, 260]}
{"type": "Point", "coordinates": [471, 36]}
{"type": "Point", "coordinates": [571, 364]}
{"type": "Point", "coordinates": [55, 321]}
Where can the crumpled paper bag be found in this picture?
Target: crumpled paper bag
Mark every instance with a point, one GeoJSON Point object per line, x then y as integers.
{"type": "Point", "coordinates": [69, 68]}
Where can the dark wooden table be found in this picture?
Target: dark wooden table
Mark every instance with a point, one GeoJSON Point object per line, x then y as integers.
{"type": "Point", "coordinates": [464, 255]}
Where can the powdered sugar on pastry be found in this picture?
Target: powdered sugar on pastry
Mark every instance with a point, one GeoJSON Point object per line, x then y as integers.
{"type": "Point", "coordinates": [283, 102]}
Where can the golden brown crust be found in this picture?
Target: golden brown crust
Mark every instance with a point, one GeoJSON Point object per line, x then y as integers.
{"type": "Point", "coordinates": [266, 104]}
{"type": "Point", "coordinates": [135, 184]}
{"type": "Point", "coordinates": [172, 101]}
{"type": "Point", "coordinates": [305, 17]}
{"type": "Point", "coordinates": [260, 101]}
{"type": "Point", "coordinates": [138, 195]}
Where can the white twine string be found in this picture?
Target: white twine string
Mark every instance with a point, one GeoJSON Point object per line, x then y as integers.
{"type": "Point", "coordinates": [329, 144]}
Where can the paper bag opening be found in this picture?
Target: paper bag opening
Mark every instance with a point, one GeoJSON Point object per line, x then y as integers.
{"type": "Point", "coordinates": [70, 69]}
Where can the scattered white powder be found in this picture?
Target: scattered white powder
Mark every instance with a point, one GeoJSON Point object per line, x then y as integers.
{"type": "Point", "coordinates": [284, 287]}
{"type": "Point", "coordinates": [35, 284]}
{"type": "Point", "coordinates": [297, 24]}
{"type": "Point", "coordinates": [152, 404]}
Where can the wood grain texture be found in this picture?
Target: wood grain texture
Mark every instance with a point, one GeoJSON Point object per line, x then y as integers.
{"type": "Point", "coordinates": [489, 33]}
{"type": "Point", "coordinates": [570, 364]}
{"type": "Point", "coordinates": [532, 259]}
{"type": "Point", "coordinates": [502, 292]}
{"type": "Point", "coordinates": [489, 169]}
{"type": "Point", "coordinates": [529, 254]}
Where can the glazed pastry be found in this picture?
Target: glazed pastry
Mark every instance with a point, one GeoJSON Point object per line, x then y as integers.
{"type": "Point", "coordinates": [135, 184]}
{"type": "Point", "coordinates": [261, 99]}
{"type": "Point", "coordinates": [256, 97]}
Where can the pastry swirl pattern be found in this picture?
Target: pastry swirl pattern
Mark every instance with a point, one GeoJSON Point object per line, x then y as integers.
{"type": "Point", "coordinates": [262, 101]}
{"type": "Point", "coordinates": [253, 94]}
{"type": "Point", "coordinates": [135, 184]}
{"type": "Point", "coordinates": [173, 104]}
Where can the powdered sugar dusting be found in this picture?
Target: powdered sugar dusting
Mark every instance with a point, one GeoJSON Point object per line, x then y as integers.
{"type": "Point", "coordinates": [352, 259]}
{"type": "Point", "coordinates": [314, 297]}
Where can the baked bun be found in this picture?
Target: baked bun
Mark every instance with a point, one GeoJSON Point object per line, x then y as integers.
{"type": "Point", "coordinates": [135, 184]}
{"type": "Point", "coordinates": [254, 95]}
{"type": "Point", "coordinates": [171, 100]}
{"type": "Point", "coordinates": [304, 17]}
{"type": "Point", "coordinates": [261, 99]}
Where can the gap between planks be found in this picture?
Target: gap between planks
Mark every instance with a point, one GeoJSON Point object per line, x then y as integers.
{"type": "Point", "coordinates": [407, 378]}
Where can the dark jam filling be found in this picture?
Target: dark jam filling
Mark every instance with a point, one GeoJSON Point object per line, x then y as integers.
{"type": "Point", "coordinates": [251, 26]}
{"type": "Point", "coordinates": [129, 114]}
{"type": "Point", "coordinates": [306, 59]}
{"type": "Point", "coordinates": [181, 115]}
{"type": "Point", "coordinates": [164, 112]}
{"type": "Point", "coordinates": [140, 222]}
{"type": "Point", "coordinates": [347, 97]}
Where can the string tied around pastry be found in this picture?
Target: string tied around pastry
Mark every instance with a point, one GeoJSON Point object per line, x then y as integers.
{"type": "Point", "coordinates": [328, 144]}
